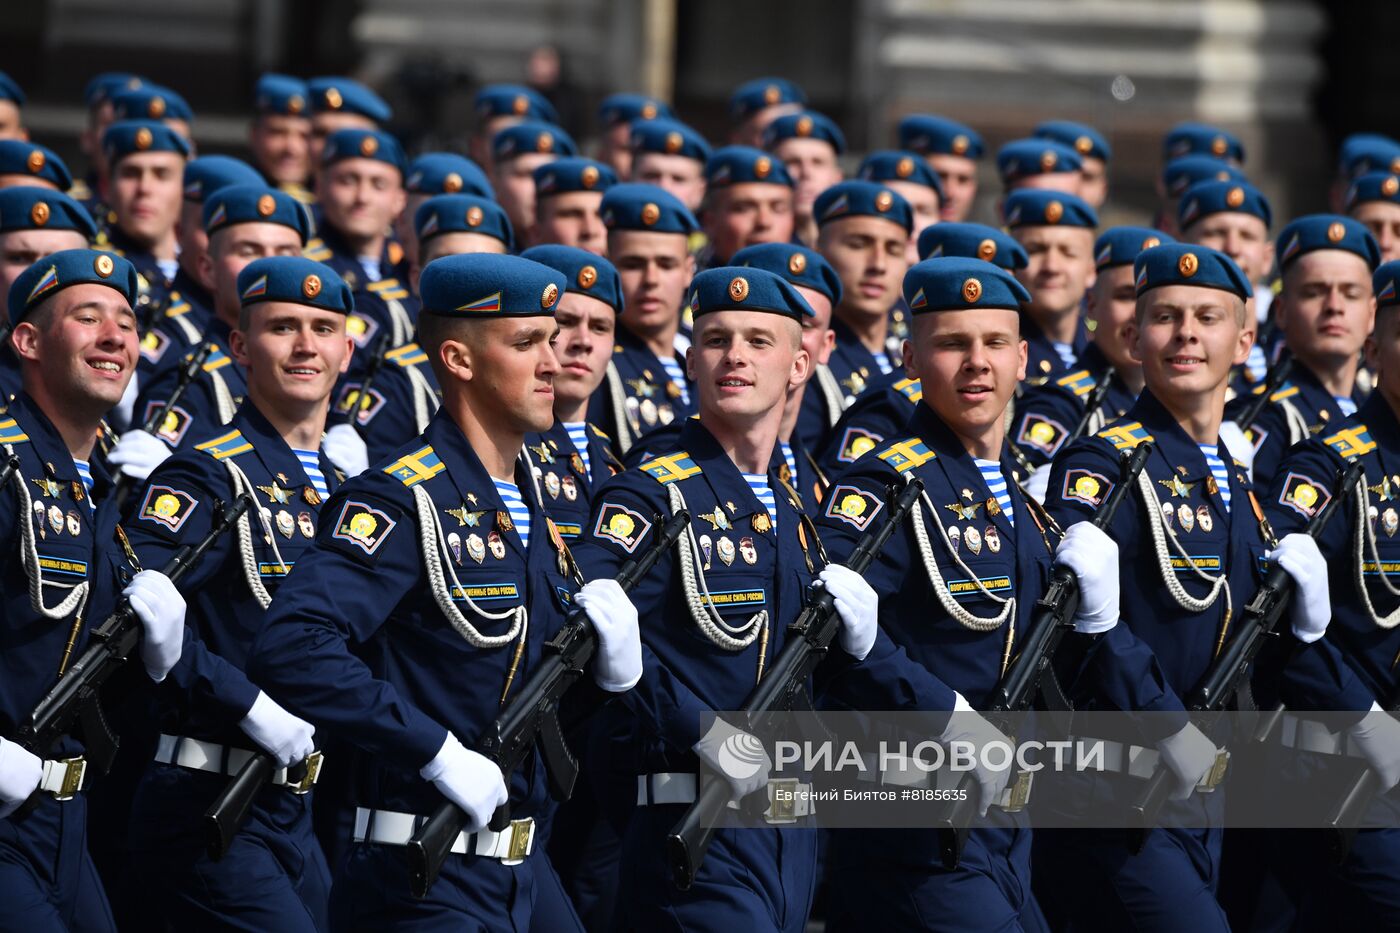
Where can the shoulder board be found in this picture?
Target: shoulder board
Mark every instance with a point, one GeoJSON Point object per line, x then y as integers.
{"type": "Point", "coordinates": [1080, 383]}
{"type": "Point", "coordinates": [216, 359]}
{"type": "Point", "coordinates": [1288, 391]}
{"type": "Point", "coordinates": [670, 468]}
{"type": "Point", "coordinates": [227, 445]}
{"type": "Point", "coordinates": [414, 468]}
{"type": "Point", "coordinates": [1126, 436]}
{"type": "Point", "coordinates": [79, 191]}
{"type": "Point", "coordinates": [388, 289]}
{"type": "Point", "coordinates": [178, 306]}
{"type": "Point", "coordinates": [11, 432]}
{"type": "Point", "coordinates": [410, 354]}
{"type": "Point", "coordinates": [599, 432]}
{"type": "Point", "coordinates": [1351, 442]}
{"type": "Point", "coordinates": [316, 249]}
{"type": "Point", "coordinates": [912, 389]}
{"type": "Point", "coordinates": [907, 454]}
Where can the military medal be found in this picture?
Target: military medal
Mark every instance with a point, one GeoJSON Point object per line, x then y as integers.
{"type": "Point", "coordinates": [39, 520]}
{"type": "Point", "coordinates": [1186, 517]}
{"type": "Point", "coordinates": [551, 485]}
{"type": "Point", "coordinates": [967, 494]}
{"type": "Point", "coordinates": [79, 493]}
{"type": "Point", "coordinates": [503, 521]}
{"type": "Point", "coordinates": [1383, 489]}
{"type": "Point", "coordinates": [305, 525]}
{"type": "Point", "coordinates": [56, 519]}
{"type": "Point", "coordinates": [747, 551]}
{"type": "Point", "coordinates": [576, 464]}
{"type": "Point", "coordinates": [1204, 519]}
{"type": "Point", "coordinates": [717, 519]}
{"type": "Point", "coordinates": [649, 412]}
{"type": "Point", "coordinates": [285, 523]}
{"type": "Point", "coordinates": [48, 487]}
{"type": "Point", "coordinates": [666, 414]}
{"type": "Point", "coordinates": [75, 523]}
{"type": "Point", "coordinates": [1168, 514]}
{"type": "Point", "coordinates": [276, 493]}
{"type": "Point", "coordinates": [282, 478]}
{"type": "Point", "coordinates": [496, 545]}
{"type": "Point", "coordinates": [993, 539]}
{"type": "Point", "coordinates": [973, 537]}
{"type": "Point", "coordinates": [476, 548]}
{"type": "Point", "coordinates": [705, 544]}
{"type": "Point", "coordinates": [1177, 487]}
{"type": "Point", "coordinates": [569, 486]}
{"type": "Point", "coordinates": [955, 538]}
{"type": "Point", "coordinates": [993, 506]}
{"type": "Point", "coordinates": [966, 512]}
{"type": "Point", "coordinates": [454, 543]}
{"type": "Point", "coordinates": [465, 517]}
{"type": "Point", "coordinates": [726, 550]}
{"type": "Point", "coordinates": [1390, 522]}
{"type": "Point", "coordinates": [542, 452]}
{"type": "Point", "coordinates": [633, 410]}
{"type": "Point", "coordinates": [762, 523]}
{"type": "Point", "coordinates": [311, 496]}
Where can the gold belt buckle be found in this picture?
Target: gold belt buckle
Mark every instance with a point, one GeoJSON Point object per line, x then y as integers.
{"type": "Point", "coordinates": [782, 808]}
{"type": "Point", "coordinates": [1216, 774]}
{"type": "Point", "coordinates": [522, 832]}
{"type": "Point", "coordinates": [308, 781]}
{"type": "Point", "coordinates": [73, 771]}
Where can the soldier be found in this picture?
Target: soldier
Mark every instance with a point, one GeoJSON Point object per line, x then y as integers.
{"type": "Point", "coordinates": [75, 336]}
{"type": "Point", "coordinates": [292, 345]}
{"type": "Point", "coordinates": [910, 177]}
{"type": "Point", "coordinates": [1179, 175]}
{"type": "Point", "coordinates": [757, 103]}
{"type": "Point", "coordinates": [672, 156]}
{"type": "Point", "coordinates": [646, 383]}
{"type": "Point", "coordinates": [446, 632]}
{"type": "Point", "coordinates": [11, 103]}
{"type": "Point", "coordinates": [810, 146]}
{"type": "Point", "coordinates": [569, 204]}
{"type": "Point", "coordinates": [951, 149]}
{"type": "Point", "coordinates": [1362, 154]}
{"type": "Point", "coordinates": [452, 224]}
{"type": "Point", "coordinates": [429, 175]}
{"type": "Point", "coordinates": [26, 163]}
{"type": "Point", "coordinates": [1374, 200]}
{"type": "Point", "coordinates": [616, 114]}
{"type": "Point", "coordinates": [280, 134]}
{"type": "Point", "coordinates": [1057, 232]}
{"type": "Point", "coordinates": [1094, 153]}
{"type": "Point", "coordinates": [339, 103]}
{"type": "Point", "coordinates": [1324, 310]}
{"type": "Point", "coordinates": [1202, 139]}
{"type": "Point", "coordinates": [154, 102]}
{"type": "Point", "coordinates": [748, 200]}
{"type": "Point", "coordinates": [516, 152]}
{"type": "Point", "coordinates": [147, 165]}
{"type": "Point", "coordinates": [1041, 164]}
{"type": "Point", "coordinates": [499, 106]}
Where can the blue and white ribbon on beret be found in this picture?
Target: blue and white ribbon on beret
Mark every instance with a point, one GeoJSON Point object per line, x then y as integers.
{"type": "Point", "coordinates": [489, 285]}
{"type": "Point", "coordinates": [957, 283]}
{"type": "Point", "coordinates": [294, 280]}
{"type": "Point", "coordinates": [796, 263]}
{"type": "Point", "coordinates": [255, 204]}
{"type": "Point", "coordinates": [1326, 231]}
{"type": "Point", "coordinates": [1040, 207]}
{"type": "Point", "coordinates": [972, 241]}
{"type": "Point", "coordinates": [447, 173]}
{"type": "Point", "coordinates": [1188, 264]}
{"type": "Point", "coordinates": [67, 268]}
{"type": "Point", "coordinates": [585, 273]}
{"type": "Point", "coordinates": [462, 213]}
{"type": "Point", "coordinates": [745, 288]}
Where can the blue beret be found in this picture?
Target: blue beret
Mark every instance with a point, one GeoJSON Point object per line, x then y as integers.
{"type": "Point", "coordinates": [752, 96]}
{"type": "Point", "coordinates": [862, 198]}
{"type": "Point", "coordinates": [807, 124]}
{"type": "Point", "coordinates": [669, 137]}
{"type": "Point", "coordinates": [1022, 158]}
{"type": "Point", "coordinates": [255, 204]}
{"type": "Point", "coordinates": [20, 157]}
{"type": "Point", "coordinates": [296, 280]}
{"type": "Point", "coordinates": [532, 136]}
{"type": "Point", "coordinates": [972, 241]}
{"type": "Point", "coordinates": [462, 213]}
{"type": "Point", "coordinates": [151, 102]}
{"type": "Point", "coordinates": [1180, 174]}
{"type": "Point", "coordinates": [647, 208]}
{"type": "Point", "coordinates": [1201, 139]}
{"type": "Point", "coordinates": [337, 94]}
{"type": "Point", "coordinates": [957, 283]}
{"type": "Point", "coordinates": [101, 87]}
{"type": "Point", "coordinates": [739, 165]}
{"type": "Point", "coordinates": [1039, 207]}
{"type": "Point", "coordinates": [1383, 283]}
{"type": "Point", "coordinates": [798, 264]}
{"type": "Point", "coordinates": [26, 208]}
{"type": "Point", "coordinates": [10, 90]}
{"type": "Point", "coordinates": [206, 174]}
{"type": "Point", "coordinates": [586, 273]}
{"type": "Point", "coordinates": [1081, 137]}
{"type": "Point", "coordinates": [745, 288]}
{"type": "Point", "coordinates": [574, 173]}
{"type": "Point", "coordinates": [625, 108]}
{"type": "Point", "coordinates": [1119, 246]}
{"type": "Point", "coordinates": [513, 100]}
{"type": "Point", "coordinates": [1188, 264]}
{"type": "Point", "coordinates": [363, 144]}
{"type": "Point", "coordinates": [1326, 231]}
{"type": "Point", "coordinates": [1220, 197]}
{"type": "Point", "coordinates": [447, 173]}
{"type": "Point", "coordinates": [897, 165]}
{"type": "Point", "coordinates": [1373, 186]}
{"type": "Point", "coordinates": [931, 135]}
{"type": "Point", "coordinates": [1368, 152]}
{"type": "Point", "coordinates": [281, 94]}
{"type": "Point", "coordinates": [127, 137]}
{"type": "Point", "coordinates": [59, 270]}
{"type": "Point", "coordinates": [489, 285]}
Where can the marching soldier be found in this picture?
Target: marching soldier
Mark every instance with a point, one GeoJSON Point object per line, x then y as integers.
{"type": "Point", "coordinates": [810, 146]}
{"type": "Point", "coordinates": [757, 103]}
{"type": "Point", "coordinates": [30, 164]}
{"type": "Point", "coordinates": [951, 149]}
{"type": "Point", "coordinates": [499, 106]}
{"type": "Point", "coordinates": [280, 134]}
{"type": "Point", "coordinates": [1094, 154]}
{"type": "Point", "coordinates": [569, 204]}
{"type": "Point", "coordinates": [1039, 164]}
{"type": "Point", "coordinates": [616, 114]}
{"type": "Point", "coordinates": [1374, 200]}
{"type": "Point", "coordinates": [516, 152]}
{"type": "Point", "coordinates": [672, 156]}
{"type": "Point", "coordinates": [748, 200]}
{"type": "Point", "coordinates": [146, 162]}
{"type": "Point", "coordinates": [339, 103]}
{"type": "Point", "coordinates": [910, 177]}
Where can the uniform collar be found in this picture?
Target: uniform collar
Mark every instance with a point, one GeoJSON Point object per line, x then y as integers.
{"type": "Point", "coordinates": [470, 478]}
{"type": "Point", "coordinates": [1177, 449]}
{"type": "Point", "coordinates": [275, 454]}
{"type": "Point", "coordinates": [1380, 420]}
{"type": "Point", "coordinates": [726, 482]}
{"type": "Point", "coordinates": [961, 470]}
{"type": "Point", "coordinates": [858, 352]}
{"type": "Point", "coordinates": [44, 438]}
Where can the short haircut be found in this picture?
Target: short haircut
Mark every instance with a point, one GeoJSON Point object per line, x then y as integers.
{"type": "Point", "coordinates": [1240, 310]}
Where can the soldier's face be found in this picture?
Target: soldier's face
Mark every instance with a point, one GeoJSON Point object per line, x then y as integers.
{"type": "Point", "coordinates": [512, 372]}
{"type": "Point", "coordinates": [1382, 218]}
{"type": "Point", "coordinates": [293, 354]}
{"type": "Point", "coordinates": [1093, 181]}
{"type": "Point", "coordinates": [680, 175]}
{"type": "Point", "coordinates": [514, 181]}
{"type": "Point", "coordinates": [10, 125]}
{"type": "Point", "coordinates": [655, 270]}
{"type": "Point", "coordinates": [573, 219]}
{"type": "Point", "coordinates": [1111, 305]}
{"type": "Point", "coordinates": [1060, 269]}
{"type": "Point", "coordinates": [324, 125]}
{"type": "Point", "coordinates": [1188, 338]}
{"type": "Point", "coordinates": [1326, 307]}
{"type": "Point", "coordinates": [189, 231]}
{"type": "Point", "coordinates": [1242, 237]}
{"type": "Point", "coordinates": [924, 202]}
{"type": "Point", "coordinates": [970, 363]}
{"type": "Point", "coordinates": [747, 214]}
{"type": "Point", "coordinates": [361, 197]}
{"type": "Point", "coordinates": [84, 352]}
{"type": "Point", "coordinates": [744, 363]}
{"type": "Point", "coordinates": [616, 149]}
{"type": "Point", "coordinates": [232, 248]}
{"type": "Point", "coordinates": [584, 346]}
{"type": "Point", "coordinates": [813, 167]}
{"type": "Point", "coordinates": [281, 147]}
{"type": "Point", "coordinates": [146, 194]}
{"type": "Point", "coordinates": [20, 249]}
{"type": "Point", "coordinates": [1383, 354]}
{"type": "Point", "coordinates": [870, 256]}
{"type": "Point", "coordinates": [959, 177]}
{"type": "Point", "coordinates": [818, 339]}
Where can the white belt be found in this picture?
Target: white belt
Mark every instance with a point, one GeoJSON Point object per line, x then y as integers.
{"type": "Point", "coordinates": [788, 798]}
{"type": "Point", "coordinates": [388, 827]}
{"type": "Point", "coordinates": [63, 778]}
{"type": "Point", "coordinates": [1142, 762]}
{"type": "Point", "coordinates": [905, 773]}
{"type": "Point", "coordinates": [223, 759]}
{"type": "Point", "coordinates": [1309, 735]}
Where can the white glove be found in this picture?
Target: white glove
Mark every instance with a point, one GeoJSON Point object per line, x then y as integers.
{"type": "Point", "coordinates": [1190, 756]}
{"type": "Point", "coordinates": [739, 758]}
{"type": "Point", "coordinates": [1093, 556]}
{"type": "Point", "coordinates": [1039, 483]}
{"type": "Point", "coordinates": [121, 412]}
{"type": "Point", "coordinates": [1378, 735]}
{"type": "Point", "coordinates": [161, 609]}
{"type": "Point", "coordinates": [346, 449]}
{"type": "Point", "coordinates": [1239, 446]}
{"type": "Point", "coordinates": [858, 606]}
{"type": "Point", "coordinates": [279, 733]}
{"type": "Point", "coordinates": [1311, 608]}
{"type": "Point", "coordinates": [617, 664]}
{"type": "Point", "coordinates": [20, 773]}
{"type": "Point", "coordinates": [471, 781]}
{"type": "Point", "coordinates": [968, 725]}
{"type": "Point", "coordinates": [138, 453]}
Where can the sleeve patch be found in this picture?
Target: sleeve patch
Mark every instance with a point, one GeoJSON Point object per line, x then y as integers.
{"type": "Point", "coordinates": [361, 329]}
{"type": "Point", "coordinates": [1086, 486]}
{"type": "Point", "coordinates": [350, 397]}
{"type": "Point", "coordinates": [363, 526]}
{"type": "Point", "coordinates": [1304, 495]}
{"type": "Point", "coordinates": [154, 345]}
{"type": "Point", "coordinates": [855, 443]}
{"type": "Point", "coordinates": [621, 525]}
{"type": "Point", "coordinates": [1044, 434]}
{"type": "Point", "coordinates": [1256, 436]}
{"type": "Point", "coordinates": [168, 507]}
{"type": "Point", "coordinates": [855, 507]}
{"type": "Point", "coordinates": [173, 424]}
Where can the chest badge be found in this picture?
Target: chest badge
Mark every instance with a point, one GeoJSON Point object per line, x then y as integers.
{"type": "Point", "coordinates": [726, 550]}
{"type": "Point", "coordinates": [465, 518]}
{"type": "Point", "coordinates": [1186, 517]}
{"type": "Point", "coordinates": [973, 537]}
{"type": "Point", "coordinates": [47, 487]}
{"type": "Point", "coordinates": [967, 513]}
{"type": "Point", "coordinates": [1177, 487]}
{"type": "Point", "coordinates": [1204, 519]}
{"type": "Point", "coordinates": [275, 493]}
{"type": "Point", "coordinates": [747, 551]}
{"type": "Point", "coordinates": [717, 519]}
{"type": "Point", "coordinates": [762, 523]}
{"type": "Point", "coordinates": [993, 539]}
